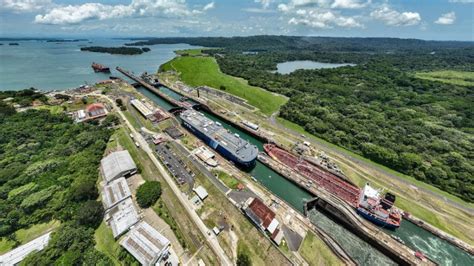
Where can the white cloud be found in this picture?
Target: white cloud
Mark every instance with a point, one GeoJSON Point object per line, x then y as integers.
{"type": "Point", "coordinates": [24, 5]}
{"type": "Point", "coordinates": [73, 14]}
{"type": "Point", "coordinates": [350, 4]}
{"type": "Point", "coordinates": [211, 5]}
{"type": "Point", "coordinates": [258, 10]}
{"type": "Point", "coordinates": [446, 19]}
{"type": "Point", "coordinates": [394, 18]}
{"type": "Point", "coordinates": [265, 3]}
{"type": "Point", "coordinates": [323, 19]}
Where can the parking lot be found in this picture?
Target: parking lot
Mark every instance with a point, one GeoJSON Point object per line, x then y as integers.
{"type": "Point", "coordinates": [175, 165]}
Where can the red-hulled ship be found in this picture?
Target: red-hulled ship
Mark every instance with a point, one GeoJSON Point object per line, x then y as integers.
{"type": "Point", "coordinates": [100, 68]}
{"type": "Point", "coordinates": [366, 202]}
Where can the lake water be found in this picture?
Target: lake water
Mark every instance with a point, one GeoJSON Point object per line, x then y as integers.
{"type": "Point", "coordinates": [290, 66]}
{"type": "Point", "coordinates": [48, 65]}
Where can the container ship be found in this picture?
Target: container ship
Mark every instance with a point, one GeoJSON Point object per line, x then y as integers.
{"type": "Point", "coordinates": [370, 206]}
{"type": "Point", "coordinates": [229, 145]}
{"type": "Point", "coordinates": [377, 209]}
{"type": "Point", "coordinates": [100, 68]}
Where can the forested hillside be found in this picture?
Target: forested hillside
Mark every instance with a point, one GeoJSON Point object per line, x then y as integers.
{"type": "Point", "coordinates": [378, 108]}
{"type": "Point", "coordinates": [48, 171]}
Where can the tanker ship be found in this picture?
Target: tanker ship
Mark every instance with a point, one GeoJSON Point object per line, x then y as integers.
{"type": "Point", "coordinates": [100, 68]}
{"type": "Point", "coordinates": [229, 145]}
{"type": "Point", "coordinates": [367, 202]}
{"type": "Point", "coordinates": [379, 210]}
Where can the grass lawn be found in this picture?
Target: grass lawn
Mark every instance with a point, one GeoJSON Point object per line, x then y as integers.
{"type": "Point", "coordinates": [461, 78]}
{"type": "Point", "coordinates": [54, 109]}
{"type": "Point", "coordinates": [324, 256]}
{"type": "Point", "coordinates": [201, 70]}
{"type": "Point", "coordinates": [106, 243]}
{"type": "Point", "coordinates": [229, 181]}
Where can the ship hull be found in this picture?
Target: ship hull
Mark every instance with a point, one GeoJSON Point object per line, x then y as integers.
{"type": "Point", "coordinates": [377, 221]}
{"type": "Point", "coordinates": [219, 148]}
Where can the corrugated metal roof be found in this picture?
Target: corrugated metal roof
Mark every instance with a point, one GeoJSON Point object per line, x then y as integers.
{"type": "Point", "coordinates": [122, 217]}
{"type": "Point", "coordinates": [117, 164]}
{"type": "Point", "coordinates": [262, 212]}
{"type": "Point", "coordinates": [201, 192]}
{"type": "Point", "coordinates": [116, 191]}
{"type": "Point", "coordinates": [145, 243]}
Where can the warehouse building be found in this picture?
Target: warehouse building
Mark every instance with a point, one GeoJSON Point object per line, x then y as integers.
{"type": "Point", "coordinates": [201, 192]}
{"type": "Point", "coordinates": [117, 164]}
{"type": "Point", "coordinates": [116, 191]}
{"type": "Point", "coordinates": [142, 108]}
{"type": "Point", "coordinates": [121, 217]}
{"type": "Point", "coordinates": [263, 218]}
{"type": "Point", "coordinates": [146, 244]}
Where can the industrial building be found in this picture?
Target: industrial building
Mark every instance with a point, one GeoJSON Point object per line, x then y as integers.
{"type": "Point", "coordinates": [116, 191]}
{"type": "Point", "coordinates": [18, 254]}
{"type": "Point", "coordinates": [206, 156]}
{"type": "Point", "coordinates": [142, 108]}
{"type": "Point", "coordinates": [146, 244]}
{"type": "Point", "coordinates": [201, 192]}
{"type": "Point", "coordinates": [121, 217]}
{"type": "Point", "coordinates": [117, 164]}
{"type": "Point", "coordinates": [263, 218]}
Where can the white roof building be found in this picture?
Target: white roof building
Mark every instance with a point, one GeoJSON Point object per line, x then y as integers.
{"type": "Point", "coordinates": [141, 107]}
{"type": "Point", "coordinates": [116, 191]}
{"type": "Point", "coordinates": [273, 226]}
{"type": "Point", "coordinates": [146, 244]}
{"type": "Point", "coordinates": [117, 164]}
{"type": "Point", "coordinates": [18, 254]}
{"type": "Point", "coordinates": [121, 217]}
{"type": "Point", "coordinates": [201, 192]}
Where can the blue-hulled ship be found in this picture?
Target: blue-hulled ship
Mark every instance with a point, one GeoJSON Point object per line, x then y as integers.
{"type": "Point", "coordinates": [379, 210]}
{"type": "Point", "coordinates": [231, 146]}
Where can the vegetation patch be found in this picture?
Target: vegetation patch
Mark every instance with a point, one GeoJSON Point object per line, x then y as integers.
{"type": "Point", "coordinates": [116, 50]}
{"type": "Point", "coordinates": [48, 172]}
{"type": "Point", "coordinates": [148, 193]}
{"type": "Point", "coordinates": [324, 257]}
{"type": "Point", "coordinates": [461, 78]}
{"type": "Point", "coordinates": [200, 71]}
{"type": "Point", "coordinates": [229, 181]}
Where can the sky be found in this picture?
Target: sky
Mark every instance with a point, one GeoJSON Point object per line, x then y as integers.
{"type": "Point", "coordinates": [421, 19]}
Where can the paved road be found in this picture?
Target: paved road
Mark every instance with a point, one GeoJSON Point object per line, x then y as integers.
{"type": "Point", "coordinates": [212, 241]}
{"type": "Point", "coordinates": [346, 156]}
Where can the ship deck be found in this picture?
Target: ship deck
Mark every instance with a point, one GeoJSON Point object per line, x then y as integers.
{"type": "Point", "coordinates": [321, 178]}
{"type": "Point", "coordinates": [242, 148]}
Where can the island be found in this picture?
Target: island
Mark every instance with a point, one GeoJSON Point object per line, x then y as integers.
{"type": "Point", "coordinates": [116, 50]}
{"type": "Point", "coordinates": [13, 43]}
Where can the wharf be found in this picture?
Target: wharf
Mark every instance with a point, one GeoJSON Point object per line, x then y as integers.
{"type": "Point", "coordinates": [346, 215]}
{"type": "Point", "coordinates": [152, 88]}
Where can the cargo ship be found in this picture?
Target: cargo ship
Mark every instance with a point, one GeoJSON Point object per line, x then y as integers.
{"type": "Point", "coordinates": [367, 202]}
{"type": "Point", "coordinates": [231, 146]}
{"type": "Point", "coordinates": [379, 210]}
{"type": "Point", "coordinates": [100, 68]}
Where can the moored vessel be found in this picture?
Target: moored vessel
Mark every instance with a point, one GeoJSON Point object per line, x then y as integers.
{"type": "Point", "coordinates": [100, 68]}
{"type": "Point", "coordinates": [229, 145]}
{"type": "Point", "coordinates": [377, 209]}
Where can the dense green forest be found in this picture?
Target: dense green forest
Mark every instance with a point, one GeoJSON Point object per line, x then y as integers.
{"type": "Point", "coordinates": [116, 50]}
{"type": "Point", "coordinates": [378, 108]}
{"type": "Point", "coordinates": [49, 170]}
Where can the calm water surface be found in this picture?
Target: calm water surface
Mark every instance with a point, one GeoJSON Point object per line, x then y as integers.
{"type": "Point", "coordinates": [48, 65]}
{"type": "Point", "coordinates": [290, 66]}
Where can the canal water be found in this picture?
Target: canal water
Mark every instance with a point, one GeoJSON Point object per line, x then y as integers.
{"type": "Point", "coordinates": [415, 237]}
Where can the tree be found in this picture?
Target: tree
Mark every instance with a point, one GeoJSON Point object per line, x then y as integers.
{"type": "Point", "coordinates": [222, 88]}
{"type": "Point", "coordinates": [148, 193]}
{"type": "Point", "coordinates": [119, 102]}
{"type": "Point", "coordinates": [243, 259]}
{"type": "Point", "coordinates": [90, 213]}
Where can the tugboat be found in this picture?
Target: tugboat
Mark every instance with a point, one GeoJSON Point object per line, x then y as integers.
{"type": "Point", "coordinates": [378, 210]}
{"type": "Point", "coordinates": [100, 68]}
